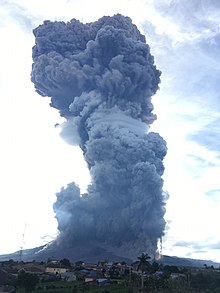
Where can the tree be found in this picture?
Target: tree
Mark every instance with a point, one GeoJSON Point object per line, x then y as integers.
{"type": "Point", "coordinates": [27, 281]}
{"type": "Point", "coordinates": [65, 262]}
{"type": "Point", "coordinates": [178, 284]}
{"type": "Point", "coordinates": [154, 267]}
{"type": "Point", "coordinates": [113, 271]}
{"type": "Point", "coordinates": [143, 265]}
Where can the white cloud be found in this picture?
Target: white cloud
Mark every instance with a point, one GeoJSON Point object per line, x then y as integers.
{"type": "Point", "coordinates": [187, 104]}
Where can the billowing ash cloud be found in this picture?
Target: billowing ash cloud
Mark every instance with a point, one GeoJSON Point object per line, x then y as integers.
{"type": "Point", "coordinates": [101, 77]}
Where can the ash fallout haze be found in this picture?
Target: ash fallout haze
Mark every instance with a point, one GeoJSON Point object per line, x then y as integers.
{"type": "Point", "coordinates": [101, 76]}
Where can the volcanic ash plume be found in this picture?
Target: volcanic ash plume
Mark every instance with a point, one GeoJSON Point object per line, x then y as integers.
{"type": "Point", "coordinates": [101, 76]}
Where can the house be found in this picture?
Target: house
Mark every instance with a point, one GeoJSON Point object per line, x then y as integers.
{"type": "Point", "coordinates": [159, 273]}
{"type": "Point", "coordinates": [79, 264]}
{"type": "Point", "coordinates": [56, 268]}
{"type": "Point", "coordinates": [102, 281]}
{"type": "Point", "coordinates": [102, 264]}
{"type": "Point", "coordinates": [68, 276]}
{"type": "Point", "coordinates": [89, 280]}
{"type": "Point", "coordinates": [49, 277]}
{"type": "Point", "coordinates": [84, 271]}
{"type": "Point", "coordinates": [95, 282]}
{"type": "Point", "coordinates": [36, 270]}
{"type": "Point", "coordinates": [92, 274]}
{"type": "Point", "coordinates": [177, 275]}
{"type": "Point", "coordinates": [7, 289]}
{"type": "Point", "coordinates": [29, 267]}
{"type": "Point", "coordinates": [90, 266]}
{"type": "Point", "coordinates": [122, 268]}
{"type": "Point", "coordinates": [90, 277]}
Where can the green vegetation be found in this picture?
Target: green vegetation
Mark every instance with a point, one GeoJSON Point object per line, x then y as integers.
{"type": "Point", "coordinates": [27, 282]}
{"type": "Point", "coordinates": [74, 287]}
{"type": "Point", "coordinates": [144, 266]}
{"type": "Point", "coordinates": [141, 276]}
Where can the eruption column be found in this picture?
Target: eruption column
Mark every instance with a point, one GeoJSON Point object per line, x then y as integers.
{"type": "Point", "coordinates": [101, 77]}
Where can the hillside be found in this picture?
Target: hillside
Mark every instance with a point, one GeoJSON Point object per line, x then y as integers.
{"type": "Point", "coordinates": [94, 254]}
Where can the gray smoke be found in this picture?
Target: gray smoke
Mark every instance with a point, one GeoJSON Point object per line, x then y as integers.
{"type": "Point", "coordinates": [101, 77]}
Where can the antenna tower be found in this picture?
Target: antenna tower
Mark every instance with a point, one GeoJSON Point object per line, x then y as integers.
{"type": "Point", "coordinates": [22, 243]}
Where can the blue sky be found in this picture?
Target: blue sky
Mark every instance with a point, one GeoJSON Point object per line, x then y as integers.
{"type": "Point", "coordinates": [35, 163]}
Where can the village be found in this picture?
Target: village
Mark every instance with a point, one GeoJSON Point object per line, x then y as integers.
{"type": "Point", "coordinates": [142, 275]}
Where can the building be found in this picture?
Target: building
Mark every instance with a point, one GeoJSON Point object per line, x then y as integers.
{"type": "Point", "coordinates": [56, 270]}
{"type": "Point", "coordinates": [7, 289]}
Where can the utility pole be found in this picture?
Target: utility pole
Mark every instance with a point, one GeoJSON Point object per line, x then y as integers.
{"type": "Point", "coordinates": [189, 279]}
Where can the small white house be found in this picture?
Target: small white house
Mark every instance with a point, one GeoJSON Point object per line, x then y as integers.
{"type": "Point", "coordinates": [68, 276]}
{"type": "Point", "coordinates": [56, 270]}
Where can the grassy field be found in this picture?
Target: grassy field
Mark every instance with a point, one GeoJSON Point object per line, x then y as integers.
{"type": "Point", "coordinates": [78, 287]}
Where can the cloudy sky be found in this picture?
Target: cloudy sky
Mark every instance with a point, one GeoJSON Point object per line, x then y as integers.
{"type": "Point", "coordinates": [34, 161]}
